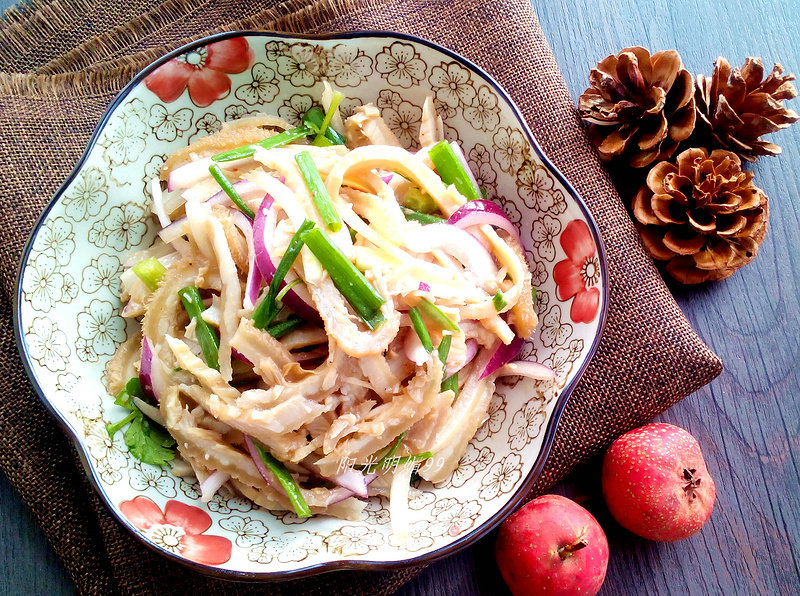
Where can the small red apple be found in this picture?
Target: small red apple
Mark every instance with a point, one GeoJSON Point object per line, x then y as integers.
{"type": "Point", "coordinates": [552, 547]}
{"type": "Point", "coordinates": [656, 483]}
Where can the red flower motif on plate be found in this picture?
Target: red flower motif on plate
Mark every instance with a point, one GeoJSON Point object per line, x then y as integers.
{"type": "Point", "coordinates": [179, 529]}
{"type": "Point", "coordinates": [204, 71]}
{"type": "Point", "coordinates": [578, 275]}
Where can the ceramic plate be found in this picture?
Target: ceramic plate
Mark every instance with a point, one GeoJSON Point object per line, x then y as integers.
{"type": "Point", "coordinates": [68, 319]}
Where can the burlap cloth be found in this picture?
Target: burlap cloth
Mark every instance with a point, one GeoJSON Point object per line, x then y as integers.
{"type": "Point", "coordinates": [64, 61]}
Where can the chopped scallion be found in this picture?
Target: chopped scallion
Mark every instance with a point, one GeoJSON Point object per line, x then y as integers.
{"type": "Point", "coordinates": [314, 118]}
{"type": "Point", "coordinates": [444, 348]}
{"type": "Point", "coordinates": [150, 272]}
{"type": "Point", "coordinates": [422, 218]}
{"type": "Point", "coordinates": [451, 383]}
{"type": "Point", "coordinates": [206, 335]}
{"type": "Point", "coordinates": [286, 289]}
{"type": "Point", "coordinates": [419, 201]}
{"type": "Point", "coordinates": [436, 315]}
{"type": "Point", "coordinates": [361, 294]}
{"type": "Point", "coordinates": [452, 171]}
{"type": "Point", "coordinates": [318, 191]}
{"type": "Point", "coordinates": [230, 190]}
{"type": "Point", "coordinates": [419, 327]}
{"type": "Point", "coordinates": [283, 138]}
{"type": "Point", "coordinates": [338, 96]}
{"type": "Point", "coordinates": [278, 330]}
{"type": "Point", "coordinates": [499, 301]}
{"type": "Point", "coordinates": [267, 309]}
{"type": "Point", "coordinates": [287, 481]}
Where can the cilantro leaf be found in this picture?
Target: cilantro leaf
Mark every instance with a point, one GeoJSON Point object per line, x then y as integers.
{"type": "Point", "coordinates": [124, 397]}
{"type": "Point", "coordinates": [148, 443]}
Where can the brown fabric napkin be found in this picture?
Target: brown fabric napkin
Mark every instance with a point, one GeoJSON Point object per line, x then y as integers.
{"type": "Point", "coordinates": [62, 62]}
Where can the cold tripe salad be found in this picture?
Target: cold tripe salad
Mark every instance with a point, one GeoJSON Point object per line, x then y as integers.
{"type": "Point", "coordinates": [323, 314]}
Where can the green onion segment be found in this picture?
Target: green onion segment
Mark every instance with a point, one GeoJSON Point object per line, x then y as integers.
{"type": "Point", "coordinates": [451, 170]}
{"type": "Point", "coordinates": [206, 335]}
{"type": "Point", "coordinates": [288, 483]}
{"type": "Point", "coordinates": [419, 327]}
{"type": "Point", "coordinates": [230, 190]}
{"type": "Point", "coordinates": [318, 191]}
{"type": "Point", "coordinates": [423, 218]}
{"type": "Point", "coordinates": [361, 294]}
{"type": "Point", "coordinates": [283, 138]}
{"type": "Point", "coordinates": [268, 308]}
{"type": "Point", "coordinates": [436, 315]}
{"type": "Point", "coordinates": [314, 119]}
{"type": "Point", "coordinates": [150, 272]}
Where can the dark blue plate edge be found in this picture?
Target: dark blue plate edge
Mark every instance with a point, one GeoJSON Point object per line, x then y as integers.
{"type": "Point", "coordinates": [318, 568]}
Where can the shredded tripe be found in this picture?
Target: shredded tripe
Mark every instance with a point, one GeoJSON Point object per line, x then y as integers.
{"type": "Point", "coordinates": [329, 397]}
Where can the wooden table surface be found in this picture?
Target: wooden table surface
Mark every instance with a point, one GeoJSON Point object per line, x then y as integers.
{"type": "Point", "coordinates": [747, 421]}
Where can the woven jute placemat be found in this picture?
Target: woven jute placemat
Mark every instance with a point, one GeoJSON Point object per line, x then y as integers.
{"type": "Point", "coordinates": [62, 62]}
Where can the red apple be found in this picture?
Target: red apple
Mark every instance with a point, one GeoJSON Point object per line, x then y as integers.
{"type": "Point", "coordinates": [656, 483]}
{"type": "Point", "coordinates": [551, 547]}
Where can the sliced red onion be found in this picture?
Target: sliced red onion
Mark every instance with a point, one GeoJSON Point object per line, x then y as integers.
{"type": "Point", "coordinates": [336, 495]}
{"type": "Point", "coordinates": [471, 351]}
{"type": "Point", "coordinates": [354, 481]}
{"type": "Point", "coordinates": [456, 242]}
{"type": "Point", "coordinates": [387, 178]}
{"type": "Point", "coordinates": [152, 375]}
{"type": "Point", "coordinates": [152, 412]}
{"type": "Point", "coordinates": [423, 287]}
{"type": "Point", "coordinates": [239, 356]}
{"type": "Point", "coordinates": [264, 228]}
{"type": "Point", "coordinates": [527, 368]}
{"type": "Point", "coordinates": [210, 486]}
{"type": "Point", "coordinates": [474, 213]}
{"type": "Point", "coordinates": [253, 284]}
{"type": "Point", "coordinates": [268, 476]}
{"type": "Point", "coordinates": [503, 354]}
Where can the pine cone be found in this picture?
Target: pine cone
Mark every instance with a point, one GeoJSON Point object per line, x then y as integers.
{"type": "Point", "coordinates": [639, 107]}
{"type": "Point", "coordinates": [703, 216]}
{"type": "Point", "coordinates": [735, 107]}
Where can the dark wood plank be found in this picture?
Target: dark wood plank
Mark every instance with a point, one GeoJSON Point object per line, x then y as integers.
{"type": "Point", "coordinates": [27, 563]}
{"type": "Point", "coordinates": [748, 421]}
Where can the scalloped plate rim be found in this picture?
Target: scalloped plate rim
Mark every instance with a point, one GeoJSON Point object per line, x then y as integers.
{"type": "Point", "coordinates": [364, 565]}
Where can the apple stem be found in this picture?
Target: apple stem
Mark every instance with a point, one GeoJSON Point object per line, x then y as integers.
{"type": "Point", "coordinates": [567, 551]}
{"type": "Point", "coordinates": [691, 482]}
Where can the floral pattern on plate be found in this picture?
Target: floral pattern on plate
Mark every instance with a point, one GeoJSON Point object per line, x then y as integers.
{"type": "Point", "coordinates": [69, 307]}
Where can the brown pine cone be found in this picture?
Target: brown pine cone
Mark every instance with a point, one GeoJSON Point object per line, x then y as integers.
{"type": "Point", "coordinates": [639, 107]}
{"type": "Point", "coordinates": [735, 107]}
{"type": "Point", "coordinates": [703, 216]}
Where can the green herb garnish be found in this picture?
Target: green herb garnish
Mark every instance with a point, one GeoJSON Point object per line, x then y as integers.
{"type": "Point", "coordinates": [207, 336]}
{"type": "Point", "coordinates": [150, 271]}
{"type": "Point", "coordinates": [422, 218]}
{"type": "Point", "coordinates": [146, 441]}
{"type": "Point", "coordinates": [230, 190]}
{"type": "Point", "coordinates": [318, 191]}
{"type": "Point", "coordinates": [277, 140]}
{"type": "Point", "coordinates": [452, 171]}
{"type": "Point", "coordinates": [419, 327]}
{"type": "Point", "coordinates": [287, 481]}
{"type": "Point", "coordinates": [268, 308]}
{"type": "Point", "coordinates": [361, 294]}
{"type": "Point", "coordinates": [499, 301]}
